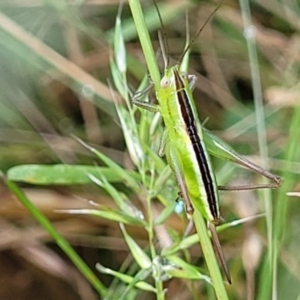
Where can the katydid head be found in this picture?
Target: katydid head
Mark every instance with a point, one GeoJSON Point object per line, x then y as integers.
{"type": "Point", "coordinates": [168, 78]}
{"type": "Point", "coordinates": [170, 75]}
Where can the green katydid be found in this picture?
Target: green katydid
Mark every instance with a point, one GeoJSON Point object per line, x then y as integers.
{"type": "Point", "coordinates": [186, 145]}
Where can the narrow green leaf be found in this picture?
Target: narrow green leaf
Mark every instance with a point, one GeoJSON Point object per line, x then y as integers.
{"type": "Point", "coordinates": [119, 45]}
{"type": "Point", "coordinates": [185, 243]}
{"type": "Point", "coordinates": [182, 269]}
{"type": "Point", "coordinates": [120, 198]}
{"type": "Point", "coordinates": [139, 255]}
{"type": "Point", "coordinates": [61, 242]}
{"type": "Point", "coordinates": [117, 79]}
{"type": "Point", "coordinates": [131, 137]}
{"type": "Point", "coordinates": [126, 278]}
{"type": "Point", "coordinates": [106, 213]}
{"type": "Point", "coordinates": [160, 164]}
{"type": "Point", "coordinates": [162, 177]}
{"type": "Point", "coordinates": [119, 171]}
{"type": "Point", "coordinates": [165, 214]}
{"type": "Point", "coordinates": [62, 174]}
{"type": "Point", "coordinates": [138, 278]}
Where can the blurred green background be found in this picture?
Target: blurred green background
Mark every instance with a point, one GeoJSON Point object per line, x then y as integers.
{"type": "Point", "coordinates": [55, 81]}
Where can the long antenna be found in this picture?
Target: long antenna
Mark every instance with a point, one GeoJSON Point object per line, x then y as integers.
{"type": "Point", "coordinates": [162, 38]}
{"type": "Point", "coordinates": [198, 33]}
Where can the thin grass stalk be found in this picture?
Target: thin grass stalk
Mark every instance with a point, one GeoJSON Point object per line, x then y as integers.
{"type": "Point", "coordinates": [199, 221]}
{"type": "Point", "coordinates": [210, 257]}
{"type": "Point", "coordinates": [59, 240]}
{"type": "Point", "coordinates": [145, 40]}
{"type": "Point", "coordinates": [281, 225]}
{"type": "Point", "coordinates": [249, 32]}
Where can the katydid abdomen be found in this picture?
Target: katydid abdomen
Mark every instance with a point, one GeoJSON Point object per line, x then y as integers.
{"type": "Point", "coordinates": [185, 139]}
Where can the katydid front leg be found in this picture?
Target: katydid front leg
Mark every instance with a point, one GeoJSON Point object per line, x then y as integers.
{"type": "Point", "coordinates": [142, 104]}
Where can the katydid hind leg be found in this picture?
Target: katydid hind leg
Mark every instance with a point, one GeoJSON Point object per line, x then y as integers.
{"type": "Point", "coordinates": [219, 251]}
{"type": "Point", "coordinates": [222, 150]}
{"type": "Point", "coordinates": [245, 187]}
{"type": "Point", "coordinates": [176, 166]}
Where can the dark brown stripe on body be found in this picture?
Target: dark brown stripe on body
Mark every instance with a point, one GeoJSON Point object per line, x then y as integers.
{"type": "Point", "coordinates": [189, 121]}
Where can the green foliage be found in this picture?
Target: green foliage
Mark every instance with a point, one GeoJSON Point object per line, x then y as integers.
{"type": "Point", "coordinates": [28, 108]}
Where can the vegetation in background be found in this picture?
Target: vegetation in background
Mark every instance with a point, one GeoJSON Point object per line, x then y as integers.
{"type": "Point", "coordinates": [70, 70]}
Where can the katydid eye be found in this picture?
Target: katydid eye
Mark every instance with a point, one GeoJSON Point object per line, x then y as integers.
{"type": "Point", "coordinates": [165, 82]}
